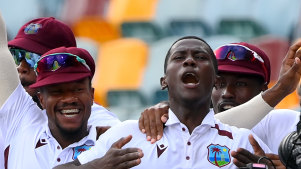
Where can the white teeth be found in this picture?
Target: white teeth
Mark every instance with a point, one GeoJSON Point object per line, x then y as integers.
{"type": "Point", "coordinates": [70, 111]}
{"type": "Point", "coordinates": [228, 107]}
{"type": "Point", "coordinates": [69, 116]}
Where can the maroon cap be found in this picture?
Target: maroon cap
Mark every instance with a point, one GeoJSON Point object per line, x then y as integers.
{"type": "Point", "coordinates": [68, 73]}
{"type": "Point", "coordinates": [245, 66]}
{"type": "Point", "coordinates": [43, 34]}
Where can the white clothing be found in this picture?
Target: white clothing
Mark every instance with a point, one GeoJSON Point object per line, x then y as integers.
{"type": "Point", "coordinates": [246, 115]}
{"type": "Point", "coordinates": [275, 126]}
{"type": "Point", "coordinates": [209, 144]}
{"type": "Point", "coordinates": [24, 127]}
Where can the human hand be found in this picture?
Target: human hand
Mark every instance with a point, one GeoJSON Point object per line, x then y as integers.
{"type": "Point", "coordinates": [289, 76]}
{"type": "Point", "coordinates": [152, 119]}
{"type": "Point", "coordinates": [242, 157]}
{"type": "Point", "coordinates": [117, 158]}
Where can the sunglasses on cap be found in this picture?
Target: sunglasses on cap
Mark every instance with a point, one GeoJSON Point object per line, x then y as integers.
{"type": "Point", "coordinates": [20, 54]}
{"type": "Point", "coordinates": [236, 52]}
{"type": "Point", "coordinates": [54, 61]}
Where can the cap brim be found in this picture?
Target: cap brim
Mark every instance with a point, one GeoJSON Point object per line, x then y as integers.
{"type": "Point", "coordinates": [29, 45]}
{"type": "Point", "coordinates": [60, 78]}
{"type": "Point", "coordinates": [238, 69]}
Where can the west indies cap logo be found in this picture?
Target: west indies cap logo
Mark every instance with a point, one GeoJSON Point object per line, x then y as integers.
{"type": "Point", "coordinates": [78, 150]}
{"type": "Point", "coordinates": [231, 56]}
{"type": "Point", "coordinates": [32, 28]}
{"type": "Point", "coordinates": [218, 155]}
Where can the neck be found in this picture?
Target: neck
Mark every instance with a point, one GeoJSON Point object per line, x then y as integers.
{"type": "Point", "coordinates": [190, 113]}
{"type": "Point", "coordinates": [65, 138]}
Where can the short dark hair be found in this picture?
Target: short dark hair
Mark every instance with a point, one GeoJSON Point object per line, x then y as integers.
{"type": "Point", "coordinates": [192, 37]}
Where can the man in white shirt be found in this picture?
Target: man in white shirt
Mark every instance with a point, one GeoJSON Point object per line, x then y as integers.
{"type": "Point", "coordinates": [192, 137]}
{"type": "Point", "coordinates": [36, 139]}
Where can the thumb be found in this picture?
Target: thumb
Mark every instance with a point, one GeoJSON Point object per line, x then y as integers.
{"type": "Point", "coordinates": [164, 118]}
{"type": "Point", "coordinates": [256, 147]}
{"type": "Point", "coordinates": [121, 142]}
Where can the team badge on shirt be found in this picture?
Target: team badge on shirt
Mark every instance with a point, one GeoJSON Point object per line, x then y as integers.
{"type": "Point", "coordinates": [78, 150]}
{"type": "Point", "coordinates": [218, 155]}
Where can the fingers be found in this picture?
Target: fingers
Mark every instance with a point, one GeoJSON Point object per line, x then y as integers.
{"type": "Point", "coordinates": [151, 123]}
{"type": "Point", "coordinates": [147, 115]}
{"type": "Point", "coordinates": [236, 159]}
{"type": "Point", "coordinates": [164, 118]}
{"type": "Point", "coordinates": [243, 156]}
{"type": "Point", "coordinates": [129, 159]}
{"type": "Point", "coordinates": [120, 158]}
{"type": "Point", "coordinates": [156, 126]}
{"type": "Point", "coordinates": [292, 50]}
{"type": "Point", "coordinates": [141, 124]}
{"type": "Point", "coordinates": [256, 147]}
{"type": "Point", "coordinates": [121, 142]}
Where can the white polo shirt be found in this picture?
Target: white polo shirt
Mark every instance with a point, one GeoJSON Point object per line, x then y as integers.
{"type": "Point", "coordinates": [208, 146]}
{"type": "Point", "coordinates": [28, 142]}
{"type": "Point", "coordinates": [275, 126]}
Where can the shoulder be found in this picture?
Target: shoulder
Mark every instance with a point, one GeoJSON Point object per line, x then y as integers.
{"type": "Point", "coordinates": [279, 116]}
{"type": "Point", "coordinates": [100, 116]}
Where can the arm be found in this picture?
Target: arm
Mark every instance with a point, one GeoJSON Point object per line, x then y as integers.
{"type": "Point", "coordinates": [8, 73]}
{"type": "Point", "coordinates": [115, 158]}
{"type": "Point", "coordinates": [250, 113]}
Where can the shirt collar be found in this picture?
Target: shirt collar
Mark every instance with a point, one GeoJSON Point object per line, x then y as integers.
{"type": "Point", "coordinates": [208, 120]}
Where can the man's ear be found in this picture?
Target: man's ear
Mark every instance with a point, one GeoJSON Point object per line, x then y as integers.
{"type": "Point", "coordinates": [163, 83]}
{"type": "Point", "coordinates": [41, 98]}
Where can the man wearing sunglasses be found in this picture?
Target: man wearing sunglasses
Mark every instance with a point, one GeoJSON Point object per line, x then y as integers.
{"type": "Point", "coordinates": [35, 38]}
{"type": "Point", "coordinates": [65, 92]}
{"type": "Point", "coordinates": [64, 81]}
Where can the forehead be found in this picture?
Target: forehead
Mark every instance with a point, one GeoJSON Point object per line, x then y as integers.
{"type": "Point", "coordinates": [190, 44]}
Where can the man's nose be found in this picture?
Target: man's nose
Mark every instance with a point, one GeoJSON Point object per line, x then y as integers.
{"type": "Point", "coordinates": [23, 68]}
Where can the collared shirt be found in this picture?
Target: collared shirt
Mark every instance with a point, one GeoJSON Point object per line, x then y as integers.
{"type": "Point", "coordinates": [25, 132]}
{"type": "Point", "coordinates": [208, 146]}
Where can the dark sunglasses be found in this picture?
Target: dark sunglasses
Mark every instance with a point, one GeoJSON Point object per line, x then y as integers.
{"type": "Point", "coordinates": [54, 61]}
{"type": "Point", "coordinates": [20, 54]}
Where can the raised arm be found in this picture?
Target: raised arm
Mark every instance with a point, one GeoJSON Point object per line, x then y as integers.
{"type": "Point", "coordinates": [249, 114]}
{"type": "Point", "coordinates": [8, 73]}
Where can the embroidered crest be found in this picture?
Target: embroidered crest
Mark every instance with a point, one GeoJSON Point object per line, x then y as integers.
{"type": "Point", "coordinates": [161, 149]}
{"type": "Point", "coordinates": [218, 155]}
{"type": "Point", "coordinates": [32, 28]}
{"type": "Point", "coordinates": [78, 150]}
{"type": "Point", "coordinates": [231, 56]}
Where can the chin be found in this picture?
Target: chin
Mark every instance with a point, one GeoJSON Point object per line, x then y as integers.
{"type": "Point", "coordinates": [70, 130]}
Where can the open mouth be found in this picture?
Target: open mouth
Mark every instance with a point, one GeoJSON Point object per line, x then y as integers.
{"type": "Point", "coordinates": [226, 107]}
{"type": "Point", "coordinates": [70, 112]}
{"type": "Point", "coordinates": [190, 78]}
